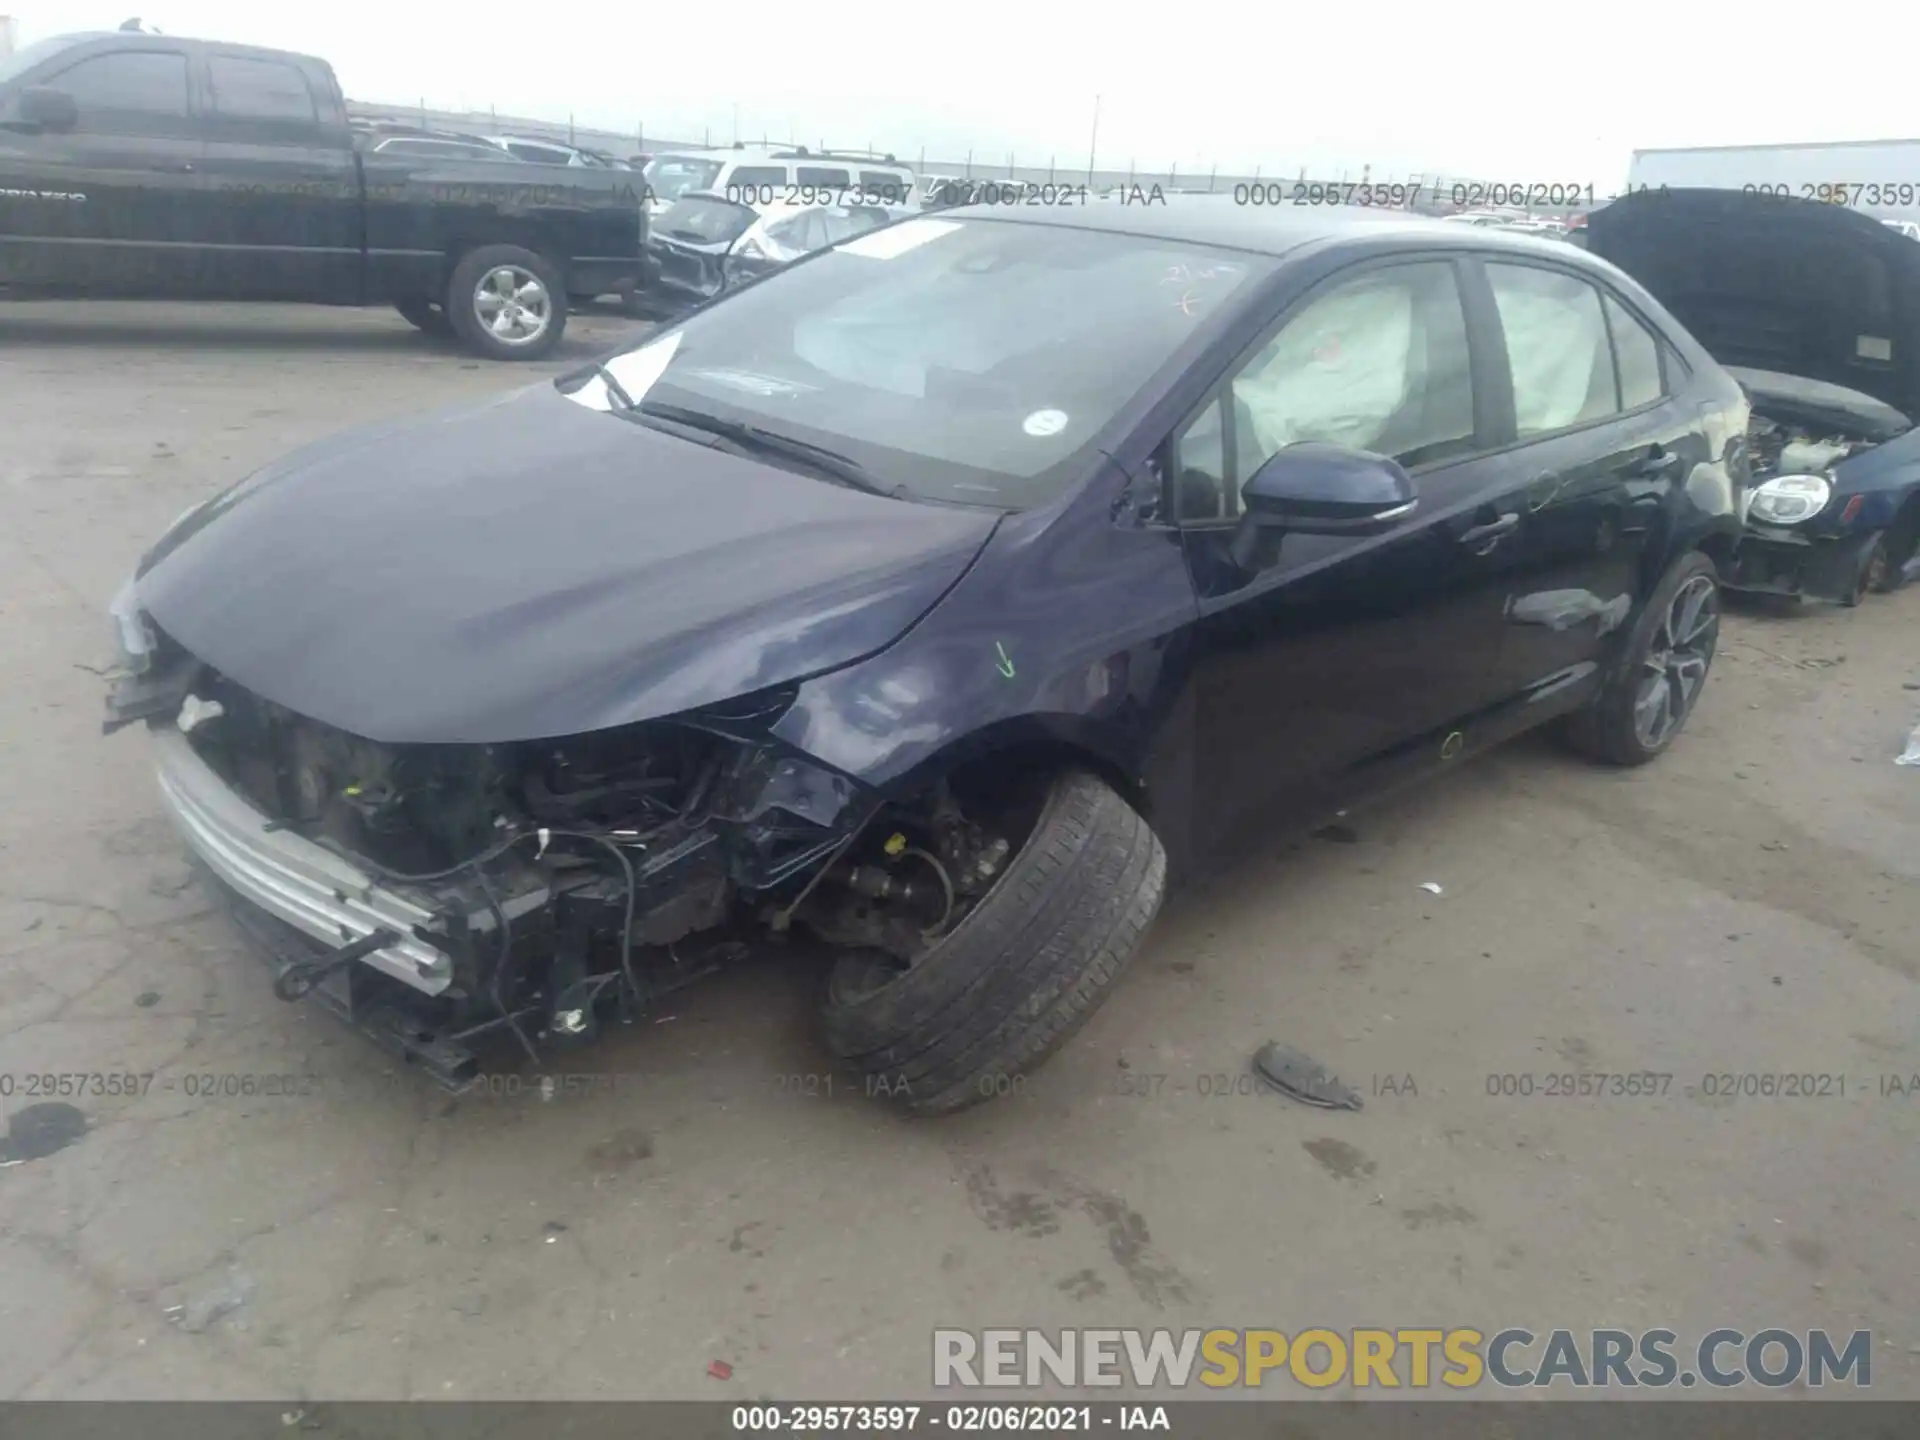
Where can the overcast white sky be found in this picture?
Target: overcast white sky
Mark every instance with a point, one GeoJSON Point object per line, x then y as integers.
{"type": "Point", "coordinates": [1513, 91]}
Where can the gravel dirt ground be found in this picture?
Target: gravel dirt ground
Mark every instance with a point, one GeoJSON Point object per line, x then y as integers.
{"type": "Point", "coordinates": [1751, 904]}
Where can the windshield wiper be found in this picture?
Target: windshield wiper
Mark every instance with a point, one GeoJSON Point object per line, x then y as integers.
{"type": "Point", "coordinates": [831, 463]}
{"type": "Point", "coordinates": [615, 390]}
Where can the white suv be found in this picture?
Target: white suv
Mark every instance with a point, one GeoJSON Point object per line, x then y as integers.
{"type": "Point", "coordinates": [779, 175]}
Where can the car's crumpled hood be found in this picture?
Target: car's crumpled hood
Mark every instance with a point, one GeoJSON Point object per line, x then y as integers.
{"type": "Point", "coordinates": [530, 568]}
{"type": "Point", "coordinates": [1772, 283]}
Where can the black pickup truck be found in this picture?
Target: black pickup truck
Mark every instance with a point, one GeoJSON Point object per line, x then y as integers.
{"type": "Point", "coordinates": [144, 166]}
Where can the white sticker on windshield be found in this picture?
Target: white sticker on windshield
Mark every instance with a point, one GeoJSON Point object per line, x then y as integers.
{"type": "Point", "coordinates": [896, 240]}
{"type": "Point", "coordinates": [1045, 422]}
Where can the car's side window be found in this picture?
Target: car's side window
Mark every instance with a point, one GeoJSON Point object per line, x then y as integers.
{"type": "Point", "coordinates": [756, 175]}
{"type": "Point", "coordinates": [1637, 354]}
{"type": "Point", "coordinates": [1557, 351]}
{"type": "Point", "coordinates": [798, 232]}
{"type": "Point", "coordinates": [245, 88]}
{"type": "Point", "coordinates": [853, 220]}
{"type": "Point", "coordinates": [1378, 362]}
{"type": "Point", "coordinates": [110, 91]}
{"type": "Point", "coordinates": [832, 179]}
{"type": "Point", "coordinates": [1201, 485]}
{"type": "Point", "coordinates": [886, 185]}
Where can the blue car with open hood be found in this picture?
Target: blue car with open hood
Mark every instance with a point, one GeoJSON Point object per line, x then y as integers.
{"type": "Point", "coordinates": [1815, 309]}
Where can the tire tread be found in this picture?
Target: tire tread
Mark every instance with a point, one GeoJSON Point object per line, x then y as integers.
{"type": "Point", "coordinates": [1025, 970]}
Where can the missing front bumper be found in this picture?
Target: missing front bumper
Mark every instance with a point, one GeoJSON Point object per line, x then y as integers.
{"type": "Point", "coordinates": [305, 885]}
{"type": "Point", "coordinates": [1779, 562]}
{"type": "Point", "coordinates": [396, 1019]}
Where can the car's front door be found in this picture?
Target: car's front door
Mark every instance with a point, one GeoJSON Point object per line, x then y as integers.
{"type": "Point", "coordinates": [1341, 662]}
{"type": "Point", "coordinates": [110, 205]}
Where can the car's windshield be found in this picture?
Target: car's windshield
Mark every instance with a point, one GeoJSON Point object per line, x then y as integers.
{"type": "Point", "coordinates": [960, 360]}
{"type": "Point", "coordinates": [671, 176]}
{"type": "Point", "coordinates": [704, 219]}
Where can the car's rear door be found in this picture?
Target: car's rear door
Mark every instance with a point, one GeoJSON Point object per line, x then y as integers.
{"type": "Point", "coordinates": [282, 193]}
{"type": "Point", "coordinates": [1595, 437]}
{"type": "Point", "coordinates": [1347, 661]}
{"type": "Point", "coordinates": [111, 206]}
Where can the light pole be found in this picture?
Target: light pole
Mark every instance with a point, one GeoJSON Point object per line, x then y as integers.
{"type": "Point", "coordinates": [1093, 145]}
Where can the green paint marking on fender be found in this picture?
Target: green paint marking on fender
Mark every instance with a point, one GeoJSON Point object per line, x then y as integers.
{"type": "Point", "coordinates": [1005, 664]}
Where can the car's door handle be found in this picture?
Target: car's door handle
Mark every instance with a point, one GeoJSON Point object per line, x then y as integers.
{"type": "Point", "coordinates": [1657, 462]}
{"type": "Point", "coordinates": [1491, 531]}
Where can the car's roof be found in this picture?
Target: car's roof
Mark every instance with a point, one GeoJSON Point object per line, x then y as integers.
{"type": "Point", "coordinates": [781, 209]}
{"type": "Point", "coordinates": [75, 37]}
{"type": "Point", "coordinates": [785, 154]}
{"type": "Point", "coordinates": [717, 197]}
{"type": "Point", "coordinates": [1218, 220]}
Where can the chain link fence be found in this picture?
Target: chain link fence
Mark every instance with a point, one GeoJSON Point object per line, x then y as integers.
{"type": "Point", "coordinates": [1430, 194]}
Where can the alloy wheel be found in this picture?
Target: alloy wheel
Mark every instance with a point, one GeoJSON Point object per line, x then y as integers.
{"type": "Point", "coordinates": [1675, 665]}
{"type": "Point", "coordinates": [513, 304]}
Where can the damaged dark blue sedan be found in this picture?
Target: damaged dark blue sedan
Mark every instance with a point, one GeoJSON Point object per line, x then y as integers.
{"type": "Point", "coordinates": [933, 599]}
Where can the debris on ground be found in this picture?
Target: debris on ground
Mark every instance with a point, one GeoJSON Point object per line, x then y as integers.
{"type": "Point", "coordinates": [36, 1131]}
{"type": "Point", "coordinates": [1298, 1075]}
{"type": "Point", "coordinates": [621, 1150]}
{"type": "Point", "coordinates": [147, 999]}
{"type": "Point", "coordinates": [225, 1298]}
{"type": "Point", "coordinates": [1432, 887]}
{"type": "Point", "coordinates": [720, 1370]}
{"type": "Point", "coordinates": [1911, 755]}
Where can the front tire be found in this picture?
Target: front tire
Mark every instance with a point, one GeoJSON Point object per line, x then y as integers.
{"type": "Point", "coordinates": [507, 303]}
{"type": "Point", "coordinates": [1662, 669]}
{"type": "Point", "coordinates": [1871, 574]}
{"type": "Point", "coordinates": [1017, 976]}
{"type": "Point", "coordinates": [1899, 542]}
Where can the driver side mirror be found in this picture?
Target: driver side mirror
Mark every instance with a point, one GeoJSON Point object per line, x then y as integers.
{"type": "Point", "coordinates": [1319, 489]}
{"type": "Point", "coordinates": [46, 108]}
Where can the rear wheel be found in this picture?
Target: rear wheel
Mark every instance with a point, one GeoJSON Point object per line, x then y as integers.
{"type": "Point", "coordinates": [507, 303]}
{"type": "Point", "coordinates": [1021, 972]}
{"type": "Point", "coordinates": [1661, 671]}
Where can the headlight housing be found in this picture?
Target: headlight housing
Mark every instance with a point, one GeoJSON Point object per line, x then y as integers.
{"type": "Point", "coordinates": [131, 630]}
{"type": "Point", "coordinates": [1789, 499]}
